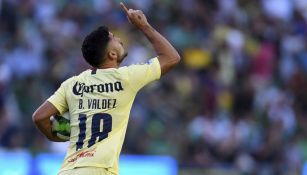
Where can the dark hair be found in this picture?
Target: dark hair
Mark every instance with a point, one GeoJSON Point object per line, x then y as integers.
{"type": "Point", "coordinates": [94, 46]}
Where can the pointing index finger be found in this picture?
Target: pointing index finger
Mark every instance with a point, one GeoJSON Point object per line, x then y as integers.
{"type": "Point", "coordinates": [124, 7]}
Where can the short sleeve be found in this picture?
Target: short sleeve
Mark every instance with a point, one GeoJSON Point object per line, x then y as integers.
{"type": "Point", "coordinates": [141, 74]}
{"type": "Point", "coordinates": [58, 99]}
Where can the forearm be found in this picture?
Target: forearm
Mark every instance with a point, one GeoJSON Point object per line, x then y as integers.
{"type": "Point", "coordinates": [41, 118]}
{"type": "Point", "coordinates": [45, 127]}
{"type": "Point", "coordinates": [167, 54]}
{"type": "Point", "coordinates": [159, 43]}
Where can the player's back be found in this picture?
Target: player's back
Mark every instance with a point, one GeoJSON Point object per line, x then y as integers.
{"type": "Point", "coordinates": [99, 103]}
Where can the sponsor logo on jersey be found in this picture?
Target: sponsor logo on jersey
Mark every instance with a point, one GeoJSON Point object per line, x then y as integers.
{"type": "Point", "coordinates": [83, 154]}
{"type": "Point", "coordinates": [81, 88]}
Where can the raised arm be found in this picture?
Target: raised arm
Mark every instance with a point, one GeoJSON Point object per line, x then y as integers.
{"type": "Point", "coordinates": [167, 54]}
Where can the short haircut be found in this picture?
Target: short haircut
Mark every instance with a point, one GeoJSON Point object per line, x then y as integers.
{"type": "Point", "coordinates": [94, 46]}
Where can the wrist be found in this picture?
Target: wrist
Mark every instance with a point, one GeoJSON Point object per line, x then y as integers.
{"type": "Point", "coordinates": [146, 28]}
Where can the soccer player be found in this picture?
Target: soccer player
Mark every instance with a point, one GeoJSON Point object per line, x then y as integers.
{"type": "Point", "coordinates": [99, 99]}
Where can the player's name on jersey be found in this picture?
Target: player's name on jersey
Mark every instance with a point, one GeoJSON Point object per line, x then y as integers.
{"type": "Point", "coordinates": [97, 103]}
{"type": "Point", "coordinates": [81, 88]}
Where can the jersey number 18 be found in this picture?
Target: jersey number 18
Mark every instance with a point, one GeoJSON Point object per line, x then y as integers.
{"type": "Point", "coordinates": [96, 120]}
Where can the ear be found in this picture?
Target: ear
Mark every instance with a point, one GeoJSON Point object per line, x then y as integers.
{"type": "Point", "coordinates": [112, 54]}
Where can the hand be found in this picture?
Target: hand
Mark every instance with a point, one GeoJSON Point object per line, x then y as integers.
{"type": "Point", "coordinates": [135, 17]}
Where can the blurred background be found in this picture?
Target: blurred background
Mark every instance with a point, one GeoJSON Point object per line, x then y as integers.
{"type": "Point", "coordinates": [236, 104]}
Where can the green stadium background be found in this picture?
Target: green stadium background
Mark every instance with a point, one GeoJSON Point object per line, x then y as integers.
{"type": "Point", "coordinates": [236, 104]}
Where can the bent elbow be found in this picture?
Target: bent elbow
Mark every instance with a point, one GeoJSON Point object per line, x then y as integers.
{"type": "Point", "coordinates": [35, 117]}
{"type": "Point", "coordinates": [175, 59]}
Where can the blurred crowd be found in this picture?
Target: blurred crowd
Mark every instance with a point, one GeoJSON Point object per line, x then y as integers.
{"type": "Point", "coordinates": [237, 100]}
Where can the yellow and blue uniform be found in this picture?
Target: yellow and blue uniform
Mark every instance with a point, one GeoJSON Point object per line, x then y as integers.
{"type": "Point", "coordinates": [99, 102]}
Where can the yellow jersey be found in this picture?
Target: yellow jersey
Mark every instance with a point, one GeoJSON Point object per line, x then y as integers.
{"type": "Point", "coordinates": [99, 102]}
